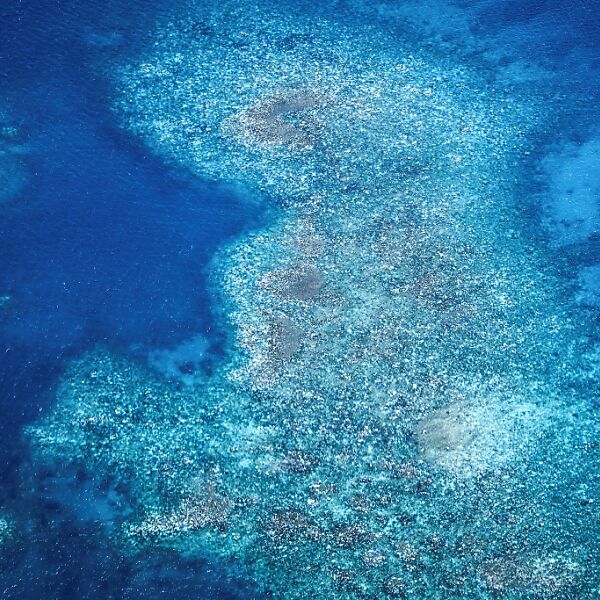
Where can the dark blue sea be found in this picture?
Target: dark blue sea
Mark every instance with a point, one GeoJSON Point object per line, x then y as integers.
{"type": "Point", "coordinates": [106, 243]}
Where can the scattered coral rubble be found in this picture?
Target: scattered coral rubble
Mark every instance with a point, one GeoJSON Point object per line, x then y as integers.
{"type": "Point", "coordinates": [405, 410]}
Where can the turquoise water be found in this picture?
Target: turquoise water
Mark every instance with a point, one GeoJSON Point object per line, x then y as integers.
{"type": "Point", "coordinates": [299, 301]}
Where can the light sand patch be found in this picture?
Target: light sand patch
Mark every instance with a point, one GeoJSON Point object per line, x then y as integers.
{"type": "Point", "coordinates": [477, 434]}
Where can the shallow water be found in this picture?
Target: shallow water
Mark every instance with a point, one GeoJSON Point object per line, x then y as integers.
{"type": "Point", "coordinates": [108, 242]}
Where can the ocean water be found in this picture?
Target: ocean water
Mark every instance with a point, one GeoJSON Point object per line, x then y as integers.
{"type": "Point", "coordinates": [299, 300]}
{"type": "Point", "coordinates": [94, 191]}
{"type": "Point", "coordinates": [94, 238]}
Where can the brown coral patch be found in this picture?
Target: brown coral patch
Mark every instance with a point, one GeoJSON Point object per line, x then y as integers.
{"type": "Point", "coordinates": [351, 536]}
{"type": "Point", "coordinates": [300, 462]}
{"type": "Point", "coordinates": [299, 284]}
{"type": "Point", "coordinates": [282, 120]}
{"type": "Point", "coordinates": [285, 338]}
{"type": "Point", "coordinates": [289, 524]}
{"type": "Point", "coordinates": [394, 587]}
{"type": "Point", "coordinates": [206, 508]}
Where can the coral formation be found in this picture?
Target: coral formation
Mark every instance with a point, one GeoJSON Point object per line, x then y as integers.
{"type": "Point", "coordinates": [270, 121]}
{"type": "Point", "coordinates": [5, 530]}
{"type": "Point", "coordinates": [547, 577]}
{"type": "Point", "coordinates": [405, 386]}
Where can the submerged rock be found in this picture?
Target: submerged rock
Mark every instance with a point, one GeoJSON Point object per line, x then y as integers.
{"type": "Point", "coordinates": [184, 363]}
{"type": "Point", "coordinates": [12, 176]}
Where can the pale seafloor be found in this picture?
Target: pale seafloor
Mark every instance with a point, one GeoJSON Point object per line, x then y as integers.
{"type": "Point", "coordinates": [391, 389]}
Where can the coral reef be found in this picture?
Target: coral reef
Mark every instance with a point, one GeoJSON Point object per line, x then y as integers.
{"type": "Point", "coordinates": [270, 121]}
{"type": "Point", "coordinates": [547, 577]}
{"type": "Point", "coordinates": [5, 530]}
{"type": "Point", "coordinates": [406, 393]}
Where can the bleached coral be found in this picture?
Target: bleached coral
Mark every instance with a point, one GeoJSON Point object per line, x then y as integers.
{"type": "Point", "coordinates": [486, 428]}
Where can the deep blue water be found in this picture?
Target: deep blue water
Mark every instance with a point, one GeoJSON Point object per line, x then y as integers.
{"type": "Point", "coordinates": [106, 244]}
